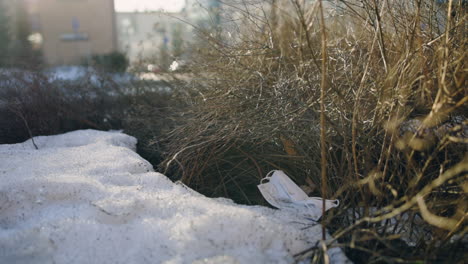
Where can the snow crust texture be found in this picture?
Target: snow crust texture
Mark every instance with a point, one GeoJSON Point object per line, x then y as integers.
{"type": "Point", "coordinates": [87, 197]}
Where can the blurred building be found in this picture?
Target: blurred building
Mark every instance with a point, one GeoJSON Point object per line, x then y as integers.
{"type": "Point", "coordinates": [151, 37]}
{"type": "Point", "coordinates": [69, 31]}
{"type": "Point", "coordinates": [157, 38]}
{"type": "Point", "coordinates": [203, 12]}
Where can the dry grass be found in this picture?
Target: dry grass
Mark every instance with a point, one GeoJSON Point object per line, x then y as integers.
{"type": "Point", "coordinates": [395, 131]}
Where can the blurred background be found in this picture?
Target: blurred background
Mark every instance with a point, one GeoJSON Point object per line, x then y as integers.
{"type": "Point", "coordinates": [148, 34]}
{"type": "Point", "coordinates": [104, 64]}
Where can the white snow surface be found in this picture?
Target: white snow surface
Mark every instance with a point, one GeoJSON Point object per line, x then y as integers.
{"type": "Point", "coordinates": [74, 73]}
{"type": "Point", "coordinates": [87, 197]}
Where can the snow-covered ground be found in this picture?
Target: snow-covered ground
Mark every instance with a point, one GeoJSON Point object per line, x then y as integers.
{"type": "Point", "coordinates": [87, 197]}
{"type": "Point", "coordinates": [74, 73]}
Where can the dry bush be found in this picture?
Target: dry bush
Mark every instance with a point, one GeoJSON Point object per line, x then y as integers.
{"type": "Point", "coordinates": [148, 115]}
{"type": "Point", "coordinates": [396, 134]}
{"type": "Point", "coordinates": [33, 104]}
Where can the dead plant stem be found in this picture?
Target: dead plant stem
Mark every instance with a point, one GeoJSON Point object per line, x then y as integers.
{"type": "Point", "coordinates": [323, 144]}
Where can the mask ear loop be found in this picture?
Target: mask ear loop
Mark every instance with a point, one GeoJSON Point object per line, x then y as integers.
{"type": "Point", "coordinates": [267, 177]}
{"type": "Point", "coordinates": [336, 202]}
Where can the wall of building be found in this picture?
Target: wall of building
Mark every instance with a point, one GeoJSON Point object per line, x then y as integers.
{"type": "Point", "coordinates": [72, 30]}
{"type": "Point", "coordinates": [145, 36]}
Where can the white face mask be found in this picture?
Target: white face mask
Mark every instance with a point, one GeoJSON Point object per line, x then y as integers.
{"type": "Point", "coordinates": [281, 192]}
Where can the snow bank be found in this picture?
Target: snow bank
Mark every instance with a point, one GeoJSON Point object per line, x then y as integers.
{"type": "Point", "coordinates": [76, 73]}
{"type": "Point", "coordinates": [87, 197]}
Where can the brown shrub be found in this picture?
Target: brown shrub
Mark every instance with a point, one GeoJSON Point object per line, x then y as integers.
{"type": "Point", "coordinates": [255, 106]}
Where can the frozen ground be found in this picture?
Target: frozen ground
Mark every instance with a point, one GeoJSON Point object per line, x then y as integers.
{"type": "Point", "coordinates": [87, 197]}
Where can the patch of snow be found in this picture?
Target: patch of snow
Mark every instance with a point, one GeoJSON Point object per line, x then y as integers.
{"type": "Point", "coordinates": [76, 73]}
{"type": "Point", "coordinates": [87, 197]}
{"type": "Point", "coordinates": [15, 76]}
{"type": "Point", "coordinates": [68, 73]}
